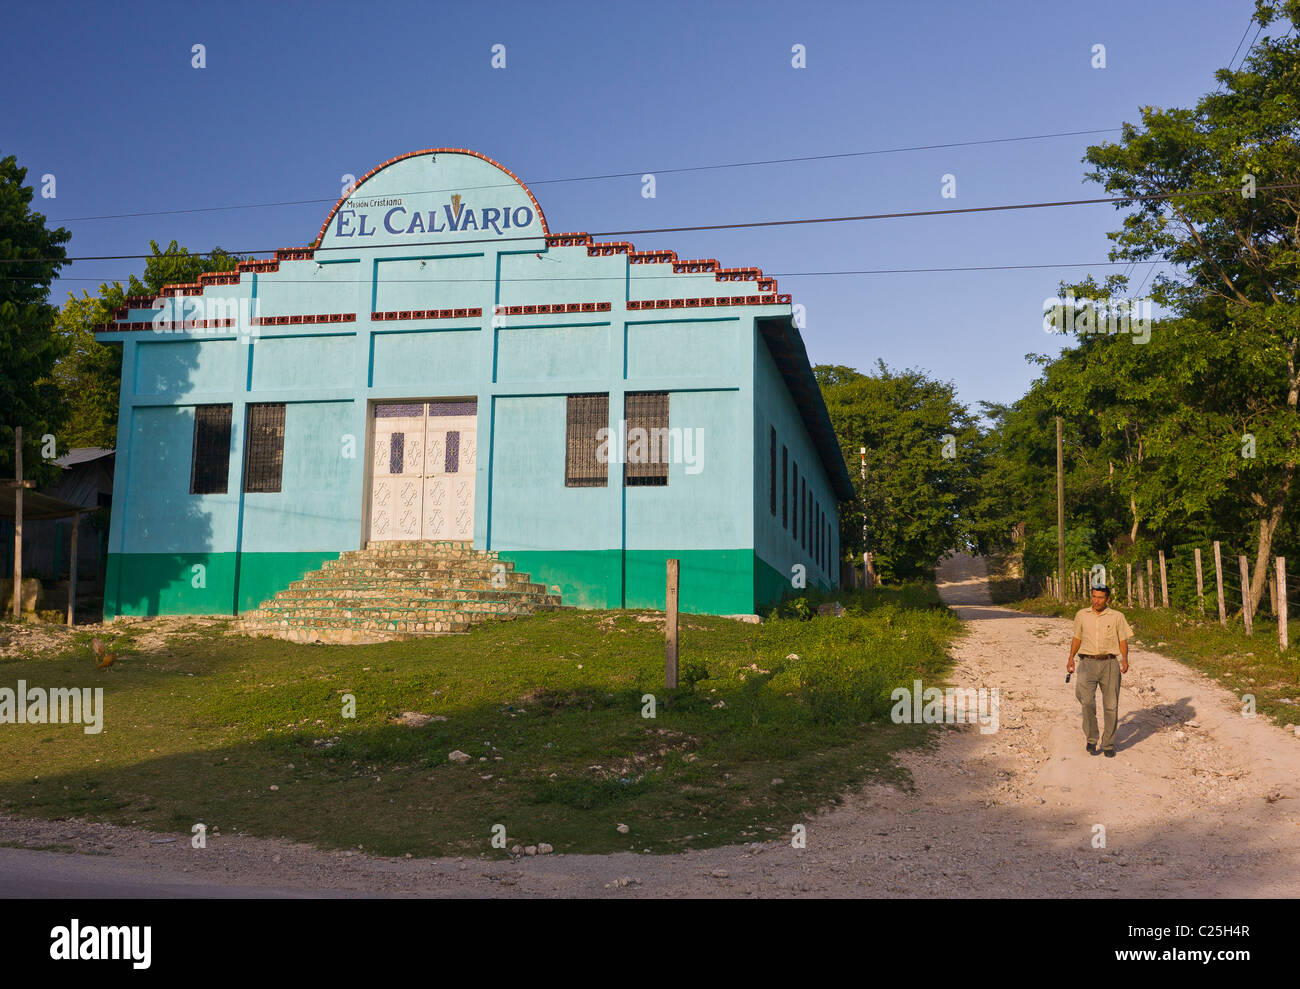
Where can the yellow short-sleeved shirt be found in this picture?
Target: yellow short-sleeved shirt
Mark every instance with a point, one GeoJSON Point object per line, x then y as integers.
{"type": "Point", "coordinates": [1098, 634]}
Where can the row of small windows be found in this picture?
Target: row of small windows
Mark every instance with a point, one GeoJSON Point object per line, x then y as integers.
{"type": "Point", "coordinates": [589, 440]}
{"type": "Point", "coordinates": [263, 451]}
{"type": "Point", "coordinates": [808, 523]}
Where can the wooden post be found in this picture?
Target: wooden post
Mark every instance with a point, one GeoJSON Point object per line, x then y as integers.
{"type": "Point", "coordinates": [1142, 598]}
{"type": "Point", "coordinates": [1151, 585]}
{"type": "Point", "coordinates": [1200, 581]}
{"type": "Point", "coordinates": [18, 523]}
{"type": "Point", "coordinates": [1245, 593]}
{"type": "Point", "coordinates": [1218, 583]}
{"type": "Point", "coordinates": [1272, 592]}
{"type": "Point", "coordinates": [1060, 510]}
{"type": "Point", "coordinates": [869, 569]}
{"type": "Point", "coordinates": [670, 627]}
{"type": "Point", "coordinates": [72, 571]}
{"type": "Point", "coordinates": [1281, 604]}
{"type": "Point", "coordinates": [1164, 583]}
{"type": "Point", "coordinates": [1128, 587]}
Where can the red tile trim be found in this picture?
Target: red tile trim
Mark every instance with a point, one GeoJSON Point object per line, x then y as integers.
{"type": "Point", "coordinates": [182, 288]}
{"type": "Point", "coordinates": [338, 317]}
{"type": "Point", "coordinates": [568, 240]}
{"type": "Point", "coordinates": [552, 308]}
{"type": "Point", "coordinates": [699, 267]}
{"type": "Point", "coordinates": [605, 249]}
{"type": "Point", "coordinates": [652, 257]}
{"type": "Point", "coordinates": [721, 300]}
{"type": "Point", "coordinates": [428, 314]}
{"type": "Point", "coordinates": [189, 324]}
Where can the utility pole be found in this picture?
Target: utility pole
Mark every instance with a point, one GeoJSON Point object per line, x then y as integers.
{"type": "Point", "coordinates": [868, 571]}
{"type": "Point", "coordinates": [1060, 511]}
{"type": "Point", "coordinates": [18, 523]}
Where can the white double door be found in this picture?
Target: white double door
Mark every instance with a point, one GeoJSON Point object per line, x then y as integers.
{"type": "Point", "coordinates": [422, 470]}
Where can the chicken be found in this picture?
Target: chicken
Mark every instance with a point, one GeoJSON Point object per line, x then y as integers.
{"type": "Point", "coordinates": [105, 658]}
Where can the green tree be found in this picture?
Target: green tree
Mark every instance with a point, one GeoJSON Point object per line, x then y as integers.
{"type": "Point", "coordinates": [89, 373]}
{"type": "Point", "coordinates": [924, 453]}
{"type": "Point", "coordinates": [1236, 260]}
{"type": "Point", "coordinates": [30, 256]}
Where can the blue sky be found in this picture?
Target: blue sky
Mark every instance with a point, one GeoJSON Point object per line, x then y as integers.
{"type": "Point", "coordinates": [295, 96]}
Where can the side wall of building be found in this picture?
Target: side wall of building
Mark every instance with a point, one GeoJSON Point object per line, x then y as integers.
{"type": "Point", "coordinates": [796, 515]}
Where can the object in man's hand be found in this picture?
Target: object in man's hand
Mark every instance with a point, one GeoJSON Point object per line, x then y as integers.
{"type": "Point", "coordinates": [1067, 678]}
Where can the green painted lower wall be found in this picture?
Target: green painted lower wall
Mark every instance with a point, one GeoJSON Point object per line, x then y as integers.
{"type": "Point", "coordinates": [261, 575]}
{"type": "Point", "coordinates": [770, 585]}
{"type": "Point", "coordinates": [713, 582]}
{"type": "Point", "coordinates": [200, 583]}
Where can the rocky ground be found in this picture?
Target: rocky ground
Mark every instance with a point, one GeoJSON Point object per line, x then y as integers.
{"type": "Point", "coordinates": [1200, 801]}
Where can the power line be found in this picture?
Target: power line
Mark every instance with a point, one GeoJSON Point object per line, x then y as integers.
{"type": "Point", "coordinates": [608, 175]}
{"type": "Point", "coordinates": [716, 226]}
{"type": "Point", "coordinates": [1150, 270]}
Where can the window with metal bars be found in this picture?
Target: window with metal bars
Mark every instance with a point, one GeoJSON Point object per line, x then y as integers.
{"type": "Point", "coordinates": [264, 447]}
{"type": "Point", "coordinates": [771, 472]}
{"type": "Point", "coordinates": [396, 452]}
{"type": "Point", "coordinates": [645, 463]}
{"type": "Point", "coordinates": [451, 458]}
{"type": "Point", "coordinates": [585, 417]}
{"type": "Point", "coordinates": [210, 458]}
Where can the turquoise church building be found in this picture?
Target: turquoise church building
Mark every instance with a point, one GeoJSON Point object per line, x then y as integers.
{"type": "Point", "coordinates": [438, 365]}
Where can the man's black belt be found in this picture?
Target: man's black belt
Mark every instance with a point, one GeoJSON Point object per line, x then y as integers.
{"type": "Point", "coordinates": [1098, 655]}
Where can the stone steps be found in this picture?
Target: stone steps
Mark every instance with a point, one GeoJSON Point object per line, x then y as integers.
{"type": "Point", "coordinates": [439, 571]}
{"type": "Point", "coordinates": [404, 591]}
{"type": "Point", "coordinates": [398, 590]}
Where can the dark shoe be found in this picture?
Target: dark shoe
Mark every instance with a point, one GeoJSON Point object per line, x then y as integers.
{"type": "Point", "coordinates": [1092, 748]}
{"type": "Point", "coordinates": [1108, 753]}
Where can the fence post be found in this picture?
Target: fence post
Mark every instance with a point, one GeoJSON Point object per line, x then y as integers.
{"type": "Point", "coordinates": [1245, 593]}
{"type": "Point", "coordinates": [1128, 589]}
{"type": "Point", "coordinates": [1281, 604]}
{"type": "Point", "coordinates": [1272, 591]}
{"type": "Point", "coordinates": [670, 626]}
{"type": "Point", "coordinates": [1151, 585]}
{"type": "Point", "coordinates": [1142, 600]}
{"type": "Point", "coordinates": [1218, 583]}
{"type": "Point", "coordinates": [1200, 583]}
{"type": "Point", "coordinates": [1164, 583]}
{"type": "Point", "coordinates": [72, 571]}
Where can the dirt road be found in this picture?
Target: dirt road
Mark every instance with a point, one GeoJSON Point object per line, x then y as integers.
{"type": "Point", "coordinates": [1199, 801]}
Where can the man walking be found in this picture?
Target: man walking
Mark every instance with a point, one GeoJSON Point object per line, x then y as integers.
{"type": "Point", "coordinates": [1101, 637]}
